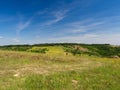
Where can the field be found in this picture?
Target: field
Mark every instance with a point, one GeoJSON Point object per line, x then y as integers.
{"type": "Point", "coordinates": [57, 71]}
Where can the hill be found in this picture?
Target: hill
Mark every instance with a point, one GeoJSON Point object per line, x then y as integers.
{"type": "Point", "coordinates": [101, 50]}
{"type": "Point", "coordinates": [57, 71]}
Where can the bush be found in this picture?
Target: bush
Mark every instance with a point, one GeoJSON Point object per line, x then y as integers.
{"type": "Point", "coordinates": [38, 50]}
{"type": "Point", "coordinates": [73, 50]}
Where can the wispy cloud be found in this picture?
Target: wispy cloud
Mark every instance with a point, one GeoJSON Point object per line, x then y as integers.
{"type": "Point", "coordinates": [42, 12]}
{"type": "Point", "coordinates": [89, 38]}
{"type": "Point", "coordinates": [22, 25]}
{"type": "Point", "coordinates": [76, 37]}
{"type": "Point", "coordinates": [90, 35]}
{"type": "Point", "coordinates": [85, 28]}
{"type": "Point", "coordinates": [1, 37]}
{"type": "Point", "coordinates": [83, 25]}
{"type": "Point", "coordinates": [103, 32]}
{"type": "Point", "coordinates": [58, 16]}
{"type": "Point", "coordinates": [16, 40]}
{"type": "Point", "coordinates": [60, 13]}
{"type": "Point", "coordinates": [4, 19]}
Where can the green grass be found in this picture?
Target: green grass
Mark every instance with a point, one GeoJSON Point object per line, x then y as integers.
{"type": "Point", "coordinates": [102, 78]}
{"type": "Point", "coordinates": [56, 71]}
{"type": "Point", "coordinates": [55, 50]}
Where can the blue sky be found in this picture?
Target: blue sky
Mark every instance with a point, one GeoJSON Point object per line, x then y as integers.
{"type": "Point", "coordinates": [57, 21]}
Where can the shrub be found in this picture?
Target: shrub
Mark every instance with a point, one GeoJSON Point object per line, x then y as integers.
{"type": "Point", "coordinates": [38, 50]}
{"type": "Point", "coordinates": [73, 50]}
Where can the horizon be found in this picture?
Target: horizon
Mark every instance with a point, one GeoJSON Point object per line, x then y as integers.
{"type": "Point", "coordinates": [58, 21]}
{"type": "Point", "coordinates": [57, 44]}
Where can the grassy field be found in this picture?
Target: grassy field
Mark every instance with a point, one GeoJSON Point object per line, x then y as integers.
{"type": "Point", "coordinates": [57, 71]}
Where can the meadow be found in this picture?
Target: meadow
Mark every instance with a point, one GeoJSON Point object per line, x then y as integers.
{"type": "Point", "coordinates": [54, 70]}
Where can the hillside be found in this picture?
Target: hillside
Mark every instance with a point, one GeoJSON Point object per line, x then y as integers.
{"type": "Point", "coordinates": [101, 50]}
{"type": "Point", "coordinates": [57, 71]}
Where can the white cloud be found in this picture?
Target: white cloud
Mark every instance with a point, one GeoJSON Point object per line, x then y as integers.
{"type": "Point", "coordinates": [41, 12]}
{"type": "Point", "coordinates": [91, 35]}
{"type": "Point", "coordinates": [76, 37]}
{"type": "Point", "coordinates": [16, 40]}
{"type": "Point", "coordinates": [21, 26]}
{"type": "Point", "coordinates": [1, 37]}
{"type": "Point", "coordinates": [83, 26]}
{"type": "Point", "coordinates": [4, 19]}
{"type": "Point", "coordinates": [58, 15]}
{"type": "Point", "coordinates": [90, 39]}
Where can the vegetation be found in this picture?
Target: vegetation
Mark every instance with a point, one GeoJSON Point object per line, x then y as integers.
{"type": "Point", "coordinates": [102, 50]}
{"type": "Point", "coordinates": [36, 71]}
{"type": "Point", "coordinates": [60, 67]}
{"type": "Point", "coordinates": [38, 50]}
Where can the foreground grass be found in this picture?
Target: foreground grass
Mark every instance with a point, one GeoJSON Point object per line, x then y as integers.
{"type": "Point", "coordinates": [30, 71]}
{"type": "Point", "coordinates": [103, 78]}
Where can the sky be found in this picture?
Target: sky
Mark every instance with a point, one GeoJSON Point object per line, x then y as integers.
{"type": "Point", "coordinates": [59, 21]}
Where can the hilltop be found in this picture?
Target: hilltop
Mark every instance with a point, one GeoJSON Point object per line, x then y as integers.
{"type": "Point", "coordinates": [100, 50]}
{"type": "Point", "coordinates": [58, 67]}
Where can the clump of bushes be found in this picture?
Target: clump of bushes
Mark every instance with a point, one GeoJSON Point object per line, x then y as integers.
{"type": "Point", "coordinates": [16, 47]}
{"type": "Point", "coordinates": [73, 50]}
{"type": "Point", "coordinates": [78, 50]}
{"type": "Point", "coordinates": [38, 50]}
{"type": "Point", "coordinates": [102, 50]}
